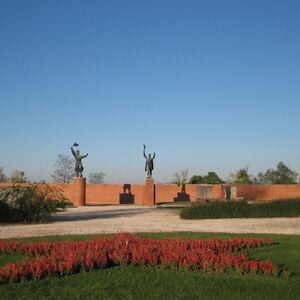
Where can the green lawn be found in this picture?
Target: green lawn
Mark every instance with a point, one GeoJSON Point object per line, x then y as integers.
{"type": "Point", "coordinates": [152, 283]}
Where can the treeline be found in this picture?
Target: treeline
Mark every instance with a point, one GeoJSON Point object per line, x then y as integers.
{"type": "Point", "coordinates": [282, 174]}
{"type": "Point", "coordinates": [63, 173]}
{"type": "Point", "coordinates": [17, 176]}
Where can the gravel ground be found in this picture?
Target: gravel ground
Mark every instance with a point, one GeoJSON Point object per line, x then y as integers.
{"type": "Point", "coordinates": [133, 218]}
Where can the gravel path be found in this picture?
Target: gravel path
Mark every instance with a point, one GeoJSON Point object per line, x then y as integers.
{"type": "Point", "coordinates": [132, 218]}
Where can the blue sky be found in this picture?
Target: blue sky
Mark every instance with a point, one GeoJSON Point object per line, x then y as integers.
{"type": "Point", "coordinates": [207, 85]}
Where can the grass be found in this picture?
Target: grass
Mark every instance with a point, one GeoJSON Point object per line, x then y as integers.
{"type": "Point", "coordinates": [10, 258]}
{"type": "Point", "coordinates": [152, 283]}
{"type": "Point", "coordinates": [215, 210]}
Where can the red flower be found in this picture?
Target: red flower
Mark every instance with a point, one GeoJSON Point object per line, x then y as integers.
{"type": "Point", "coordinates": [60, 258]}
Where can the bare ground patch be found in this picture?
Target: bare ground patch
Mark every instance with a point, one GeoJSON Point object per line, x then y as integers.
{"type": "Point", "coordinates": [133, 218]}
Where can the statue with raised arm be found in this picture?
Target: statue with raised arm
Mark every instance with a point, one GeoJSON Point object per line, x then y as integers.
{"type": "Point", "coordinates": [78, 164]}
{"type": "Point", "coordinates": [149, 165]}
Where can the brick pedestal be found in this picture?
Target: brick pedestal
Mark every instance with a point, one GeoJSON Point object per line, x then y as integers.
{"type": "Point", "coordinates": [149, 193]}
{"type": "Point", "coordinates": [79, 185]}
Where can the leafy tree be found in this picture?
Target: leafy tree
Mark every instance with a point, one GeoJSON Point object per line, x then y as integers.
{"type": "Point", "coordinates": [197, 179]}
{"type": "Point", "coordinates": [282, 175]}
{"type": "Point", "coordinates": [96, 177]}
{"type": "Point", "coordinates": [63, 169]}
{"type": "Point", "coordinates": [181, 177]}
{"type": "Point", "coordinates": [241, 177]}
{"type": "Point", "coordinates": [2, 175]}
{"type": "Point", "coordinates": [210, 178]}
{"type": "Point", "coordinates": [18, 176]}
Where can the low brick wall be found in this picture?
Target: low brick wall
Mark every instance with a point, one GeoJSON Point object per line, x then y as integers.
{"type": "Point", "coordinates": [100, 194]}
{"type": "Point", "coordinates": [66, 189]}
{"type": "Point", "coordinates": [268, 192]}
{"type": "Point", "coordinates": [110, 193]}
{"type": "Point", "coordinates": [166, 192]}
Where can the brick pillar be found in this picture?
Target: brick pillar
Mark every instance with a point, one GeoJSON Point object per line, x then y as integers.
{"type": "Point", "coordinates": [78, 191]}
{"type": "Point", "coordinates": [234, 192]}
{"type": "Point", "coordinates": [149, 193]}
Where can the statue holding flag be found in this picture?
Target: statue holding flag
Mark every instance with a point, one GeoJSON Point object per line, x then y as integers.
{"type": "Point", "coordinates": [78, 164]}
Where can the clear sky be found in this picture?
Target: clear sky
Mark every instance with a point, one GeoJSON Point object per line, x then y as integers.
{"type": "Point", "coordinates": [208, 85]}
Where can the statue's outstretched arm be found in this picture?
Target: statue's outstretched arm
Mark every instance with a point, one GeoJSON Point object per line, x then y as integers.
{"type": "Point", "coordinates": [144, 154]}
{"type": "Point", "coordinates": [83, 156]}
{"type": "Point", "coordinates": [153, 155]}
{"type": "Point", "coordinates": [73, 152]}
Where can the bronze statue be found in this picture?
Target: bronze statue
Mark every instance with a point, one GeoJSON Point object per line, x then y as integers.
{"type": "Point", "coordinates": [149, 165]}
{"type": "Point", "coordinates": [78, 165]}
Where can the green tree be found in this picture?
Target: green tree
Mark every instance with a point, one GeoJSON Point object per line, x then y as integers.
{"type": "Point", "coordinates": [282, 175]}
{"type": "Point", "coordinates": [196, 179]}
{"type": "Point", "coordinates": [18, 176]}
{"type": "Point", "coordinates": [241, 177]}
{"type": "Point", "coordinates": [210, 178]}
{"type": "Point", "coordinates": [96, 177]}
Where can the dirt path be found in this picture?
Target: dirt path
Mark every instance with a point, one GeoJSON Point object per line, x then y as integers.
{"type": "Point", "coordinates": [130, 218]}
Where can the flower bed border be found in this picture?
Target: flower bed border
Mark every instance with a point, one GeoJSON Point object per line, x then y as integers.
{"type": "Point", "coordinates": [50, 259]}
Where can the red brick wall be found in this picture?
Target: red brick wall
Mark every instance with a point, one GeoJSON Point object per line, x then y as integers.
{"type": "Point", "coordinates": [103, 193]}
{"type": "Point", "coordinates": [110, 193]}
{"type": "Point", "coordinates": [166, 192]}
{"type": "Point", "coordinates": [268, 192]}
{"type": "Point", "coordinates": [191, 189]}
{"type": "Point", "coordinates": [65, 188]}
{"type": "Point", "coordinates": [218, 191]}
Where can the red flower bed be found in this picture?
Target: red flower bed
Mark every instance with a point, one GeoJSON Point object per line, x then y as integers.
{"type": "Point", "coordinates": [60, 258]}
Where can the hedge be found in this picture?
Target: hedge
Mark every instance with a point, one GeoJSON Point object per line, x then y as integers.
{"type": "Point", "coordinates": [242, 209]}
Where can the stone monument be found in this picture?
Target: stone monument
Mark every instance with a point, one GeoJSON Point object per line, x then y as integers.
{"type": "Point", "coordinates": [79, 183]}
{"type": "Point", "coordinates": [78, 164]}
{"type": "Point", "coordinates": [149, 165]}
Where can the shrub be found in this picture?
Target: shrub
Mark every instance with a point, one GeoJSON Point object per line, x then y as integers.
{"type": "Point", "coordinates": [31, 203]}
{"type": "Point", "coordinates": [242, 209]}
